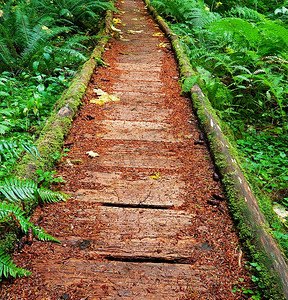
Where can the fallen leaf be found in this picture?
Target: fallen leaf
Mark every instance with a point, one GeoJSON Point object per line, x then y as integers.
{"type": "Point", "coordinates": [134, 31]}
{"type": "Point", "coordinates": [99, 92]}
{"type": "Point", "coordinates": [92, 154]}
{"type": "Point", "coordinates": [117, 21]}
{"type": "Point", "coordinates": [115, 29]}
{"type": "Point", "coordinates": [156, 176]}
{"type": "Point", "coordinates": [134, 19]}
{"type": "Point", "coordinates": [69, 162]}
{"type": "Point", "coordinates": [104, 98]}
{"type": "Point", "coordinates": [163, 45]}
{"type": "Point", "coordinates": [124, 40]}
{"type": "Point", "coordinates": [158, 34]}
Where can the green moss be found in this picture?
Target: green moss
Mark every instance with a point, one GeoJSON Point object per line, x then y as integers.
{"type": "Point", "coordinates": [7, 241]}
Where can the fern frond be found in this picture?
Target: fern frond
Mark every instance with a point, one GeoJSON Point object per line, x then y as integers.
{"type": "Point", "coordinates": [241, 30]}
{"type": "Point", "coordinates": [72, 52]}
{"type": "Point", "coordinates": [247, 14]}
{"type": "Point", "coordinates": [16, 190]}
{"type": "Point", "coordinates": [38, 39]}
{"type": "Point", "coordinates": [9, 209]}
{"type": "Point", "coordinates": [22, 25]}
{"type": "Point", "coordinates": [8, 268]}
{"type": "Point", "coordinates": [10, 149]}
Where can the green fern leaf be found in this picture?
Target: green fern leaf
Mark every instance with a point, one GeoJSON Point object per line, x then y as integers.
{"type": "Point", "coordinates": [8, 268]}
{"type": "Point", "coordinates": [16, 190]}
{"type": "Point", "coordinates": [10, 149]}
{"type": "Point", "coordinates": [242, 30]}
{"type": "Point", "coordinates": [9, 209]}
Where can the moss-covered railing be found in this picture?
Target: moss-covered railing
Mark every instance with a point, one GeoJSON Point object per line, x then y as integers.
{"type": "Point", "coordinates": [252, 225]}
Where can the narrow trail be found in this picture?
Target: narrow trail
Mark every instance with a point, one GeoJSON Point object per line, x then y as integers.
{"type": "Point", "coordinates": [142, 222]}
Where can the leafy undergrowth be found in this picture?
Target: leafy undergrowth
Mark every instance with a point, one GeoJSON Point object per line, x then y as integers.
{"type": "Point", "coordinates": [42, 43]}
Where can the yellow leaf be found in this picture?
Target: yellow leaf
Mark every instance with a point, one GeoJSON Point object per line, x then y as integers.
{"type": "Point", "coordinates": [44, 27]}
{"type": "Point", "coordinates": [156, 176]}
{"type": "Point", "coordinates": [104, 98]}
{"type": "Point", "coordinates": [158, 34]}
{"type": "Point", "coordinates": [163, 45]}
{"type": "Point", "coordinates": [117, 21]}
{"type": "Point", "coordinates": [92, 154]}
{"type": "Point", "coordinates": [134, 19]}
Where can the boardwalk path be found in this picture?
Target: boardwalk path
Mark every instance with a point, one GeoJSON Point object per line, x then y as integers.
{"type": "Point", "coordinates": [139, 225]}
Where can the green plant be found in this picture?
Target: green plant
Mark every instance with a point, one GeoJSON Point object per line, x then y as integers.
{"type": "Point", "coordinates": [15, 193]}
{"type": "Point", "coordinates": [8, 268]}
{"type": "Point", "coordinates": [21, 191]}
{"type": "Point", "coordinates": [57, 155]}
{"type": "Point", "coordinates": [47, 178]}
{"type": "Point", "coordinates": [10, 213]}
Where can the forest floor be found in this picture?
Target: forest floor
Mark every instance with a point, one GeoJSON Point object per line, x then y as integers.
{"type": "Point", "coordinates": [142, 221]}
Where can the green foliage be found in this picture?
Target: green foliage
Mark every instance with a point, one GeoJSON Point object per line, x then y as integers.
{"type": "Point", "coordinates": [17, 191]}
{"type": "Point", "coordinates": [47, 178]}
{"type": "Point", "coordinates": [189, 83]}
{"type": "Point", "coordinates": [10, 213]}
{"type": "Point", "coordinates": [266, 158]}
{"type": "Point", "coordinates": [7, 268]}
{"type": "Point", "coordinates": [9, 148]}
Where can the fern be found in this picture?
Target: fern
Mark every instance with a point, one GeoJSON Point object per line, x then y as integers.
{"type": "Point", "coordinates": [8, 268]}
{"type": "Point", "coordinates": [10, 211]}
{"type": "Point", "coordinates": [16, 191]}
{"type": "Point", "coordinates": [247, 14]}
{"type": "Point", "coordinates": [241, 30]}
{"type": "Point", "coordinates": [10, 149]}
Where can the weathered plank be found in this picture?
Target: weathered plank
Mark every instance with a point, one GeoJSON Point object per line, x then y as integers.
{"type": "Point", "coordinates": [137, 232]}
{"type": "Point", "coordinates": [127, 280]}
{"type": "Point", "coordinates": [152, 67]}
{"type": "Point", "coordinates": [163, 192]}
{"type": "Point", "coordinates": [138, 86]}
{"type": "Point", "coordinates": [137, 112]}
{"type": "Point", "coordinates": [137, 131]}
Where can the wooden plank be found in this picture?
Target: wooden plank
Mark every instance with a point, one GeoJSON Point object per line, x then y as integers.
{"type": "Point", "coordinates": [138, 86]}
{"type": "Point", "coordinates": [124, 66]}
{"type": "Point", "coordinates": [127, 280]}
{"type": "Point", "coordinates": [139, 97]}
{"type": "Point", "coordinates": [137, 131]}
{"type": "Point", "coordinates": [164, 191]}
{"type": "Point", "coordinates": [136, 112]}
{"type": "Point", "coordinates": [141, 76]}
{"type": "Point", "coordinates": [135, 232]}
